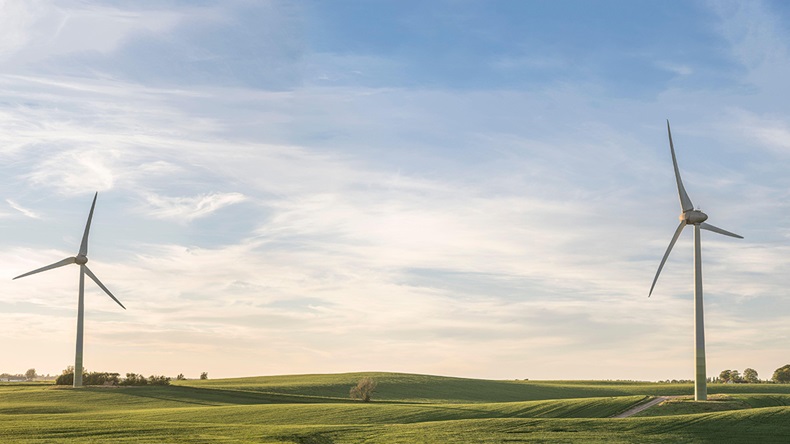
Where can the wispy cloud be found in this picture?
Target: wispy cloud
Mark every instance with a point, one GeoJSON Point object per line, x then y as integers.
{"type": "Point", "coordinates": [14, 23]}
{"type": "Point", "coordinates": [185, 209]}
{"type": "Point", "coordinates": [36, 30]}
{"type": "Point", "coordinates": [76, 170]}
{"type": "Point", "coordinates": [772, 131]}
{"type": "Point", "coordinates": [28, 213]}
{"type": "Point", "coordinates": [679, 69]}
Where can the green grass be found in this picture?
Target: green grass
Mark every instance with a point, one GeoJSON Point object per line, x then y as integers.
{"type": "Point", "coordinates": [421, 388]}
{"type": "Point", "coordinates": [402, 387]}
{"type": "Point", "coordinates": [406, 409]}
{"type": "Point", "coordinates": [715, 403]}
{"type": "Point", "coordinates": [686, 406]}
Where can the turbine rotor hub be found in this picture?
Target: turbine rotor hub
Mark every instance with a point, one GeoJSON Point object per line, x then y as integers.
{"type": "Point", "coordinates": [693, 217]}
{"type": "Point", "coordinates": [81, 259]}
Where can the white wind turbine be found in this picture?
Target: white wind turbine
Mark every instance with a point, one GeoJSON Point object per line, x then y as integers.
{"type": "Point", "coordinates": [692, 216]}
{"type": "Point", "coordinates": [81, 259]}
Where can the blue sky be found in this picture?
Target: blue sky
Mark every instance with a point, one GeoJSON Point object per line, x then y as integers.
{"type": "Point", "coordinates": [465, 188]}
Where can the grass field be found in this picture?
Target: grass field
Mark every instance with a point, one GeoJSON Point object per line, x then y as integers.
{"type": "Point", "coordinates": [406, 409]}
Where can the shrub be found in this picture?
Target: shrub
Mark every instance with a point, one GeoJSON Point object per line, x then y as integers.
{"type": "Point", "coordinates": [158, 380]}
{"type": "Point", "coordinates": [100, 378]}
{"type": "Point", "coordinates": [364, 389]}
{"type": "Point", "coordinates": [134, 379]}
{"type": "Point", "coordinates": [67, 377]}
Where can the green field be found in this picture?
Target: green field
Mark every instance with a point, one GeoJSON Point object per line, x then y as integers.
{"type": "Point", "coordinates": [405, 409]}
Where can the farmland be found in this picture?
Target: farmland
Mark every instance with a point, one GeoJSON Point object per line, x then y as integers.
{"type": "Point", "coordinates": [405, 409]}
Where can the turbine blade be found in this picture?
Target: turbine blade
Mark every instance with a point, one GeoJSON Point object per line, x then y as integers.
{"type": "Point", "coordinates": [709, 227]}
{"type": "Point", "coordinates": [98, 282]}
{"type": "Point", "coordinates": [84, 244]}
{"type": "Point", "coordinates": [666, 255]}
{"type": "Point", "coordinates": [67, 261]}
{"type": "Point", "coordinates": [685, 202]}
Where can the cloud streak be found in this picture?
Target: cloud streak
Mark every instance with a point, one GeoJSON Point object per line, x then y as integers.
{"type": "Point", "coordinates": [26, 212]}
{"type": "Point", "coordinates": [190, 208]}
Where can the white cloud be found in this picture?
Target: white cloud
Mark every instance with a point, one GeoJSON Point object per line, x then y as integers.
{"type": "Point", "coordinates": [755, 32]}
{"type": "Point", "coordinates": [515, 247]}
{"type": "Point", "coordinates": [681, 70]}
{"type": "Point", "coordinates": [28, 213]}
{"type": "Point", "coordinates": [772, 132]}
{"type": "Point", "coordinates": [186, 209]}
{"type": "Point", "coordinates": [31, 31]}
{"type": "Point", "coordinates": [15, 18]}
{"type": "Point", "coordinates": [76, 170]}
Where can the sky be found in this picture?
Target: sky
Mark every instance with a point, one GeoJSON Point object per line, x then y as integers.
{"type": "Point", "coordinates": [468, 188]}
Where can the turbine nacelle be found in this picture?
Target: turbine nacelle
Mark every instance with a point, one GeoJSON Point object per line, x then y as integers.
{"type": "Point", "coordinates": [81, 259]}
{"type": "Point", "coordinates": [693, 217]}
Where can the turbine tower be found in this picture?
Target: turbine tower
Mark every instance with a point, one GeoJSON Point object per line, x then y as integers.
{"type": "Point", "coordinates": [695, 217]}
{"type": "Point", "coordinates": [80, 259]}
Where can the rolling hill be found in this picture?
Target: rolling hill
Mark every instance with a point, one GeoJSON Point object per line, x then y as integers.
{"type": "Point", "coordinates": [406, 408]}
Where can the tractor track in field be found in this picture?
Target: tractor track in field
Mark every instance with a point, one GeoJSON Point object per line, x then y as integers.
{"type": "Point", "coordinates": [642, 407]}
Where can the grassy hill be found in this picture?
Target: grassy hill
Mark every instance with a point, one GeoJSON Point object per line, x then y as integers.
{"type": "Point", "coordinates": [402, 387]}
{"type": "Point", "coordinates": [406, 408]}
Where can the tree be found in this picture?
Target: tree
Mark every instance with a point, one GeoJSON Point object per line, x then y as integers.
{"type": "Point", "coordinates": [31, 374]}
{"type": "Point", "coordinates": [204, 375]}
{"type": "Point", "coordinates": [750, 375]}
{"type": "Point", "coordinates": [735, 376]}
{"type": "Point", "coordinates": [181, 377]}
{"type": "Point", "coordinates": [725, 376]}
{"type": "Point", "coordinates": [782, 375]}
{"type": "Point", "coordinates": [364, 389]}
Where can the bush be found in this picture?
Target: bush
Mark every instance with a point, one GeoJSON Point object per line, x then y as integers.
{"type": "Point", "coordinates": [67, 377]}
{"type": "Point", "coordinates": [137, 380]}
{"type": "Point", "coordinates": [100, 378]}
{"type": "Point", "coordinates": [134, 379]}
{"type": "Point", "coordinates": [364, 389]}
{"type": "Point", "coordinates": [158, 380]}
{"type": "Point", "coordinates": [204, 375]}
{"type": "Point", "coordinates": [180, 377]}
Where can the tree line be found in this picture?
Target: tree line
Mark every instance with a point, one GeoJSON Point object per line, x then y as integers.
{"type": "Point", "coordinates": [780, 376]}
{"type": "Point", "coordinates": [106, 378]}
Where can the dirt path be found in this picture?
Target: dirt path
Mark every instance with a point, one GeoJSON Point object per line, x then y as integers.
{"type": "Point", "coordinates": [641, 407]}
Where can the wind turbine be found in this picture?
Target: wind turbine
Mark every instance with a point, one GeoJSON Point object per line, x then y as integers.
{"type": "Point", "coordinates": [80, 259]}
{"type": "Point", "coordinates": [695, 217]}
